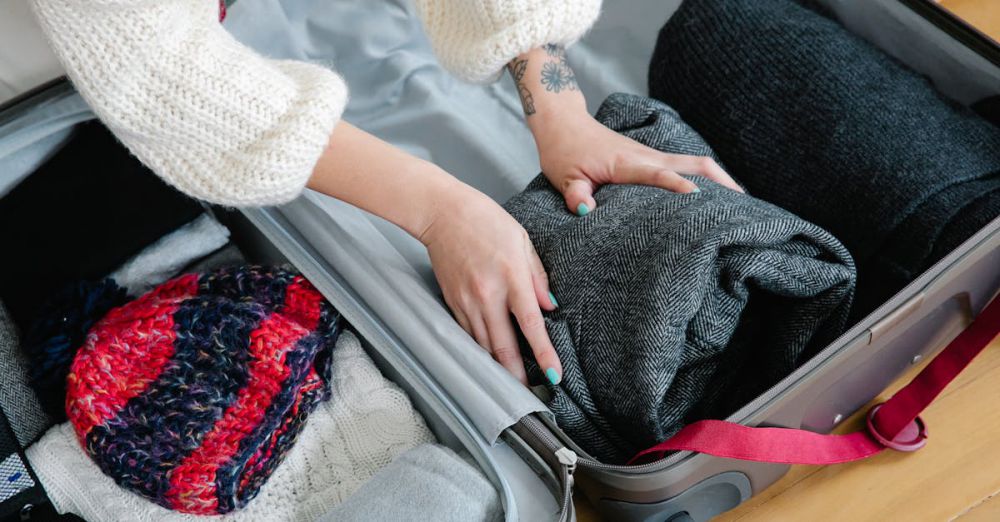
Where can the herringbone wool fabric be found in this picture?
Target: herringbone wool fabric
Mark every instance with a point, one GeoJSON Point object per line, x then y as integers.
{"type": "Point", "coordinates": [818, 121]}
{"type": "Point", "coordinates": [676, 307]}
{"type": "Point", "coordinates": [17, 398]}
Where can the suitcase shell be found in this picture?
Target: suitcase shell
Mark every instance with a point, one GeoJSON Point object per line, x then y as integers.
{"type": "Point", "coordinates": [525, 458]}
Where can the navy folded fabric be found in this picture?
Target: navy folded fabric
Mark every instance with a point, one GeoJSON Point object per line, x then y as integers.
{"type": "Point", "coordinates": [80, 216]}
{"type": "Point", "coordinates": [676, 307]}
{"type": "Point", "coordinates": [818, 121]}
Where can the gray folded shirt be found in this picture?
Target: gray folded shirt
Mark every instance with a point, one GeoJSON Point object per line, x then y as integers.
{"type": "Point", "coordinates": [428, 482]}
{"type": "Point", "coordinates": [676, 307]}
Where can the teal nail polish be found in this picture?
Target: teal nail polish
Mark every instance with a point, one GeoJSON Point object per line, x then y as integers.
{"type": "Point", "coordinates": [582, 209]}
{"type": "Point", "coordinates": [553, 299]}
{"type": "Point", "coordinates": [553, 376]}
{"type": "Point", "coordinates": [696, 190]}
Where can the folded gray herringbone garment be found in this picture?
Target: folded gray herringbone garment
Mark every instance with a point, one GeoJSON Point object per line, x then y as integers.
{"type": "Point", "coordinates": [676, 307]}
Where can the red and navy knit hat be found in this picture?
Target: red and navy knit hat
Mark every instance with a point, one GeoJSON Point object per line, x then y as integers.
{"type": "Point", "coordinates": [192, 394]}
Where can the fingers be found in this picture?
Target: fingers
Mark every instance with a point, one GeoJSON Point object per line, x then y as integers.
{"type": "Point", "coordinates": [472, 323]}
{"type": "Point", "coordinates": [653, 175]}
{"type": "Point", "coordinates": [503, 341]}
{"type": "Point", "coordinates": [579, 196]}
{"type": "Point", "coordinates": [540, 280]}
{"type": "Point", "coordinates": [484, 310]}
{"type": "Point", "coordinates": [529, 317]}
{"type": "Point", "coordinates": [699, 166]}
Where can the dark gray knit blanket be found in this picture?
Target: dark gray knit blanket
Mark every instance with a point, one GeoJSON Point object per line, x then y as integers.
{"type": "Point", "coordinates": [676, 307]}
{"type": "Point", "coordinates": [819, 122]}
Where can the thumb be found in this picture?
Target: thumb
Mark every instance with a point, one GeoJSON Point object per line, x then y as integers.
{"type": "Point", "coordinates": [579, 195]}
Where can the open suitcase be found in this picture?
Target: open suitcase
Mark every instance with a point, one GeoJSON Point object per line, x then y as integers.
{"type": "Point", "coordinates": [382, 285]}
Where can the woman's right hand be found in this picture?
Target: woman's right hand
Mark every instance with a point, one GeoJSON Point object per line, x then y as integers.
{"type": "Point", "coordinates": [481, 256]}
{"type": "Point", "coordinates": [488, 270]}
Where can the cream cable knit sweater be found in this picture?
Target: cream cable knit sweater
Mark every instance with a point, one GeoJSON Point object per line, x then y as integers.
{"type": "Point", "coordinates": [226, 125]}
{"type": "Point", "coordinates": [365, 425]}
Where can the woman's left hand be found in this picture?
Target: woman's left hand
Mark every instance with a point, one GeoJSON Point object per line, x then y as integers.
{"type": "Point", "coordinates": [577, 153]}
{"type": "Point", "coordinates": [587, 154]}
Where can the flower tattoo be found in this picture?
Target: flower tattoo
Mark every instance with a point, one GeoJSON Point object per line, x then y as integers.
{"type": "Point", "coordinates": [556, 77]}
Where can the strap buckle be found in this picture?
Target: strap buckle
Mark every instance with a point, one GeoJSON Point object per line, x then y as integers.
{"type": "Point", "coordinates": [911, 438]}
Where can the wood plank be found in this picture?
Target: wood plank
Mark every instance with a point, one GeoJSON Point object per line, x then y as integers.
{"type": "Point", "coordinates": [981, 14]}
{"type": "Point", "coordinates": [986, 511]}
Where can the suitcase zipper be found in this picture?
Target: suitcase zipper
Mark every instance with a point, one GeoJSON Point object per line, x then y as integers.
{"type": "Point", "coordinates": [569, 460]}
{"type": "Point", "coordinates": [544, 435]}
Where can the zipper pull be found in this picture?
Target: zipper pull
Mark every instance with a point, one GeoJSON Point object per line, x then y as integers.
{"type": "Point", "coordinates": [567, 458]}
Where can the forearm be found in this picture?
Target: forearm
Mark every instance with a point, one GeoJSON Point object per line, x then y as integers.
{"type": "Point", "coordinates": [362, 170]}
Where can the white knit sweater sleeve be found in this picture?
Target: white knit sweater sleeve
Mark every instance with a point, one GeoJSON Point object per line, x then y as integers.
{"type": "Point", "coordinates": [475, 39]}
{"type": "Point", "coordinates": [207, 114]}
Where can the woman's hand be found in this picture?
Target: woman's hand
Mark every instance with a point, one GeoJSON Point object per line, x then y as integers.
{"type": "Point", "coordinates": [482, 258]}
{"type": "Point", "coordinates": [577, 153]}
{"type": "Point", "coordinates": [488, 270]}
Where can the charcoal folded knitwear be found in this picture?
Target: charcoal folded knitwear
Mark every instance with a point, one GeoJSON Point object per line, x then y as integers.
{"type": "Point", "coordinates": [816, 120]}
{"type": "Point", "coordinates": [191, 394]}
{"type": "Point", "coordinates": [675, 307]}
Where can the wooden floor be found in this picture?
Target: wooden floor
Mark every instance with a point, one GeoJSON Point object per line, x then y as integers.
{"type": "Point", "coordinates": [956, 476]}
{"type": "Point", "coordinates": [981, 14]}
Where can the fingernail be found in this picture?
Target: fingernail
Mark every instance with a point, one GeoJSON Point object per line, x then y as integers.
{"type": "Point", "coordinates": [553, 376]}
{"type": "Point", "coordinates": [696, 190]}
{"type": "Point", "coordinates": [582, 209]}
{"type": "Point", "coordinates": [553, 299]}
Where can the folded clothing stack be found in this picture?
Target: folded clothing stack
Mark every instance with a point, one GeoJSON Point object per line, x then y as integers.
{"type": "Point", "coordinates": [815, 120]}
{"type": "Point", "coordinates": [676, 307]}
{"type": "Point", "coordinates": [368, 423]}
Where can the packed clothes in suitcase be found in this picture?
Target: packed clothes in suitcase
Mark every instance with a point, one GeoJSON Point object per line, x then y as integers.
{"type": "Point", "coordinates": [693, 328]}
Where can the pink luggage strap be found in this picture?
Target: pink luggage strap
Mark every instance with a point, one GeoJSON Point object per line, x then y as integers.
{"type": "Point", "coordinates": [893, 424]}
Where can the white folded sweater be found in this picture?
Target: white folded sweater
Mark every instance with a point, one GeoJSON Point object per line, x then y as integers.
{"type": "Point", "coordinates": [367, 423]}
{"type": "Point", "coordinates": [226, 125]}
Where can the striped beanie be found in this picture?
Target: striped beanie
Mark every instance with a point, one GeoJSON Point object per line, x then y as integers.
{"type": "Point", "coordinates": [191, 394]}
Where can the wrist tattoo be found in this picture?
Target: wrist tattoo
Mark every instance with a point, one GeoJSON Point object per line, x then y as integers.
{"type": "Point", "coordinates": [517, 69]}
{"type": "Point", "coordinates": [556, 73]}
{"type": "Point", "coordinates": [556, 76]}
